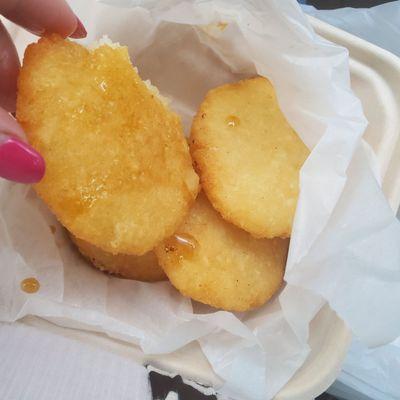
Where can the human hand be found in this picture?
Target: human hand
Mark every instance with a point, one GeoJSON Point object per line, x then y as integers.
{"type": "Point", "coordinates": [18, 161]}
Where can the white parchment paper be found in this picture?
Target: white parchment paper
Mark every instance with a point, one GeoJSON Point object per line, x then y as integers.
{"type": "Point", "coordinates": [345, 242]}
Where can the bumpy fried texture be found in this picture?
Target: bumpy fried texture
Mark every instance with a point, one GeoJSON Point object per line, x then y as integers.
{"type": "Point", "coordinates": [118, 168]}
{"type": "Point", "coordinates": [248, 157]}
{"type": "Point", "coordinates": [141, 268]}
{"type": "Point", "coordinates": [216, 263]}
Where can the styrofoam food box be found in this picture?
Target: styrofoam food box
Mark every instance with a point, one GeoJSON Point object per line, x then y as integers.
{"type": "Point", "coordinates": [375, 73]}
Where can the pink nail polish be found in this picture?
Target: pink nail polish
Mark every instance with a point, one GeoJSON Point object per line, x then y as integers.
{"type": "Point", "coordinates": [80, 31]}
{"type": "Point", "coordinates": [19, 162]}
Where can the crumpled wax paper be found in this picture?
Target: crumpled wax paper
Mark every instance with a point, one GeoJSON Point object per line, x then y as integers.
{"type": "Point", "coordinates": [344, 248]}
{"type": "Point", "coordinates": [368, 372]}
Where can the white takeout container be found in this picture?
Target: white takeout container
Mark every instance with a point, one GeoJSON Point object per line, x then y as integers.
{"type": "Point", "coordinates": [375, 74]}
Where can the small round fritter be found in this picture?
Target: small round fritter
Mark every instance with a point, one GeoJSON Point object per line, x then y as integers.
{"type": "Point", "coordinates": [118, 169]}
{"type": "Point", "coordinates": [216, 263]}
{"type": "Point", "coordinates": [248, 157]}
{"type": "Point", "coordinates": [140, 268]}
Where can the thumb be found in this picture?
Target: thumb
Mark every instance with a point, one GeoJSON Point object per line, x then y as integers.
{"type": "Point", "coordinates": [19, 162]}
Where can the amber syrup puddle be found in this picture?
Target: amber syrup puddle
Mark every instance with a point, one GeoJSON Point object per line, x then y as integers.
{"type": "Point", "coordinates": [30, 285]}
{"type": "Point", "coordinates": [181, 245]}
{"type": "Point", "coordinates": [232, 121]}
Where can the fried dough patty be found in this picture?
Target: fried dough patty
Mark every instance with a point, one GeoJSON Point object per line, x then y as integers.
{"type": "Point", "coordinates": [141, 268]}
{"type": "Point", "coordinates": [118, 169]}
{"type": "Point", "coordinates": [248, 157]}
{"type": "Point", "coordinates": [216, 263]}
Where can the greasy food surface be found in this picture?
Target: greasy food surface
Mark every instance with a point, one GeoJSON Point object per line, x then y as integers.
{"type": "Point", "coordinates": [141, 268]}
{"type": "Point", "coordinates": [216, 263]}
{"type": "Point", "coordinates": [248, 157]}
{"type": "Point", "coordinates": [118, 169]}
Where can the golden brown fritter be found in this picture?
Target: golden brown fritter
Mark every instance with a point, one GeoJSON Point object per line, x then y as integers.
{"type": "Point", "coordinates": [118, 169]}
{"type": "Point", "coordinates": [216, 263]}
{"type": "Point", "coordinates": [141, 268]}
{"type": "Point", "coordinates": [248, 157]}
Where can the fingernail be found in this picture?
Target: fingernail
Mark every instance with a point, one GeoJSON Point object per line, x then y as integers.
{"type": "Point", "coordinates": [19, 162]}
{"type": "Point", "coordinates": [36, 31]}
{"type": "Point", "coordinates": [80, 31]}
